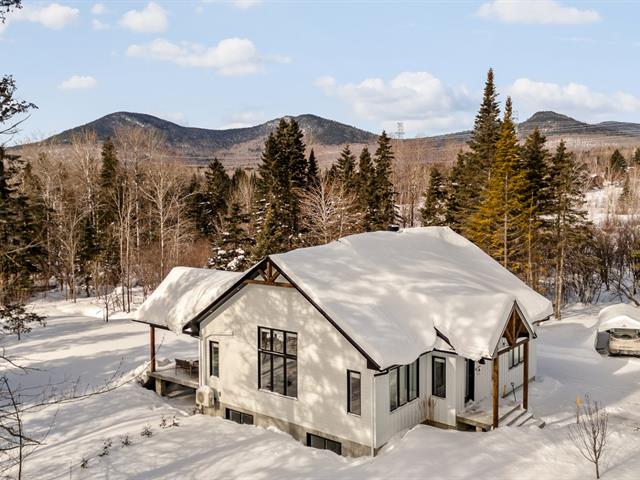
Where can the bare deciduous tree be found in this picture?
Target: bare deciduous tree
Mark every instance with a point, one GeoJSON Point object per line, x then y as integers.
{"type": "Point", "coordinates": [590, 433]}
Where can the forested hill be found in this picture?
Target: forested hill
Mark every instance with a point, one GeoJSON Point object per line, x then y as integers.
{"type": "Point", "coordinates": [242, 147]}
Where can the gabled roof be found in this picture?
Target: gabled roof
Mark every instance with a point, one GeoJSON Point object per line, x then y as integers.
{"type": "Point", "coordinates": [183, 294]}
{"type": "Point", "coordinates": [619, 316]}
{"type": "Point", "coordinates": [391, 291]}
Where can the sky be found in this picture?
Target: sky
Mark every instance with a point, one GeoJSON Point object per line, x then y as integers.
{"type": "Point", "coordinates": [371, 64]}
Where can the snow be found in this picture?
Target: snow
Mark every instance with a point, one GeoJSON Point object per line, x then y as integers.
{"type": "Point", "coordinates": [390, 291]}
{"type": "Point", "coordinates": [76, 342]}
{"type": "Point", "coordinates": [183, 294]}
{"type": "Point", "coordinates": [619, 316]}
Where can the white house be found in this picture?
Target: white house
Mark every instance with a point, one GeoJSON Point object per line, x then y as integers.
{"type": "Point", "coordinates": [346, 344]}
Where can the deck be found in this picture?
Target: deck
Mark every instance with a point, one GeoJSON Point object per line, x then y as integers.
{"type": "Point", "coordinates": [170, 374]}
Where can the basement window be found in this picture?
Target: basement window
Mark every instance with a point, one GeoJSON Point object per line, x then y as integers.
{"type": "Point", "coordinates": [322, 443]}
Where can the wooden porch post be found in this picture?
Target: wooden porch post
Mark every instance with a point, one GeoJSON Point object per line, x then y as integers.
{"type": "Point", "coordinates": [152, 348]}
{"type": "Point", "coordinates": [525, 374]}
{"type": "Point", "coordinates": [496, 390]}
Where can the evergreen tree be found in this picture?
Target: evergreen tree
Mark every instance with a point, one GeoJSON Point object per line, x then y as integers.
{"type": "Point", "coordinates": [366, 188]}
{"type": "Point", "coordinates": [383, 208]}
{"type": "Point", "coordinates": [535, 169]}
{"type": "Point", "coordinates": [110, 165]}
{"type": "Point", "coordinates": [230, 252]}
{"type": "Point", "coordinates": [345, 170]}
{"type": "Point", "coordinates": [271, 236]}
{"type": "Point", "coordinates": [471, 173]}
{"type": "Point", "coordinates": [434, 209]}
{"type": "Point", "coordinates": [617, 163]}
{"type": "Point", "coordinates": [566, 210]}
{"type": "Point", "coordinates": [210, 202]}
{"type": "Point", "coordinates": [313, 175]}
{"type": "Point", "coordinates": [499, 224]}
{"type": "Point", "coordinates": [636, 157]}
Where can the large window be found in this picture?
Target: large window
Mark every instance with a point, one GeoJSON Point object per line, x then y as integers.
{"type": "Point", "coordinates": [214, 359]}
{"type": "Point", "coordinates": [322, 443]}
{"type": "Point", "coordinates": [353, 392]}
{"type": "Point", "coordinates": [403, 384]}
{"type": "Point", "coordinates": [516, 356]}
{"type": "Point", "coordinates": [278, 361]}
{"type": "Point", "coordinates": [439, 377]}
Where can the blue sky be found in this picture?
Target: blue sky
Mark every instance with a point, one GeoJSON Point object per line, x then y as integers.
{"type": "Point", "coordinates": [217, 64]}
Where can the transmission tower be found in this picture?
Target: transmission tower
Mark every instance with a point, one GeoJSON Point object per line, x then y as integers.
{"type": "Point", "coordinates": [400, 130]}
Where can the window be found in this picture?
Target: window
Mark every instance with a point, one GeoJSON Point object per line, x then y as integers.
{"type": "Point", "coordinates": [322, 443]}
{"type": "Point", "coordinates": [214, 359]}
{"type": "Point", "coordinates": [439, 377]}
{"type": "Point", "coordinates": [516, 356]}
{"type": "Point", "coordinates": [238, 417]}
{"type": "Point", "coordinates": [403, 385]}
{"type": "Point", "coordinates": [278, 361]}
{"type": "Point", "coordinates": [353, 392]}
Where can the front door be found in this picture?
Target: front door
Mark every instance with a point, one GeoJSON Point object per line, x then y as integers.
{"type": "Point", "coordinates": [470, 382]}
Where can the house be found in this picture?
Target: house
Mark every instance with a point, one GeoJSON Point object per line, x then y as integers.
{"type": "Point", "coordinates": [346, 344]}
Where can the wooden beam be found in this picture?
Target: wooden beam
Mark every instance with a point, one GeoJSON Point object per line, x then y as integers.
{"type": "Point", "coordinates": [152, 348]}
{"type": "Point", "coordinates": [525, 374]}
{"type": "Point", "coordinates": [495, 377]}
{"type": "Point", "coordinates": [274, 284]}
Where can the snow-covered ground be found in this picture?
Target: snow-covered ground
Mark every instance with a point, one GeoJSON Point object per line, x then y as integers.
{"type": "Point", "coordinates": [77, 344]}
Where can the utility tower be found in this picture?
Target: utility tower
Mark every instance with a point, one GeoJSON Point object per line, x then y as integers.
{"type": "Point", "coordinates": [400, 131]}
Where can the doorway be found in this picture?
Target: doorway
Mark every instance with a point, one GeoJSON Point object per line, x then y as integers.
{"type": "Point", "coordinates": [470, 384]}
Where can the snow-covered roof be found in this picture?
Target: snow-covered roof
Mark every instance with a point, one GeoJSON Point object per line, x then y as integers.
{"type": "Point", "coordinates": [183, 294]}
{"type": "Point", "coordinates": [390, 291]}
{"type": "Point", "coordinates": [619, 316]}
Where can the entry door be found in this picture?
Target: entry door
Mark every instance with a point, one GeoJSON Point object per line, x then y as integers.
{"type": "Point", "coordinates": [471, 381]}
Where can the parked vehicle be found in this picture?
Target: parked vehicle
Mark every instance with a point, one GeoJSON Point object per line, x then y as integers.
{"type": "Point", "coordinates": [624, 341]}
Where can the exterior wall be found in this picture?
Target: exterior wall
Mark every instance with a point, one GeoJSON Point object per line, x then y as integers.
{"type": "Point", "coordinates": [324, 356]}
{"type": "Point", "coordinates": [407, 416]}
{"type": "Point", "coordinates": [507, 375]}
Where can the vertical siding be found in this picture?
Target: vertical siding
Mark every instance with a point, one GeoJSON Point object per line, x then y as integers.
{"type": "Point", "coordinates": [407, 416]}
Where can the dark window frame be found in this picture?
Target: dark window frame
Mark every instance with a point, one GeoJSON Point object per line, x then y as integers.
{"type": "Point", "coordinates": [326, 441]}
{"type": "Point", "coordinates": [350, 408]}
{"type": "Point", "coordinates": [434, 360]}
{"type": "Point", "coordinates": [285, 355]}
{"type": "Point", "coordinates": [214, 370]}
{"type": "Point", "coordinates": [407, 384]}
{"type": "Point", "coordinates": [229, 412]}
{"type": "Point", "coordinates": [517, 351]}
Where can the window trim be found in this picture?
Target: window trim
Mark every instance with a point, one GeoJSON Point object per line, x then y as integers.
{"type": "Point", "coordinates": [349, 406]}
{"type": "Point", "coordinates": [407, 384]}
{"type": "Point", "coordinates": [434, 358]}
{"type": "Point", "coordinates": [284, 355]}
{"type": "Point", "coordinates": [214, 344]}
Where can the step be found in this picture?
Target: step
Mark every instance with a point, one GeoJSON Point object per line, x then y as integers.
{"type": "Point", "coordinates": [527, 416]}
{"type": "Point", "coordinates": [511, 417]}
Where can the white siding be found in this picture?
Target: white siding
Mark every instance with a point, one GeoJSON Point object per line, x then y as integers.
{"type": "Point", "coordinates": [324, 356]}
{"type": "Point", "coordinates": [407, 416]}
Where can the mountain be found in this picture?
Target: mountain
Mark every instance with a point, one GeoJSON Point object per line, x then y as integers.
{"type": "Point", "coordinates": [242, 147]}
{"type": "Point", "coordinates": [236, 145]}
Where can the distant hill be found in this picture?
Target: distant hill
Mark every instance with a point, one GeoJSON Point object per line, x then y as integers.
{"type": "Point", "coordinates": [242, 147]}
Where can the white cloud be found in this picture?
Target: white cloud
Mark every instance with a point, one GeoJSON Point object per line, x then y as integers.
{"type": "Point", "coordinates": [419, 99]}
{"type": "Point", "coordinates": [572, 98]}
{"type": "Point", "coordinates": [53, 15]}
{"type": "Point", "coordinates": [536, 12]}
{"type": "Point", "coordinates": [151, 19]}
{"type": "Point", "coordinates": [77, 82]}
{"type": "Point", "coordinates": [98, 9]}
{"type": "Point", "coordinates": [231, 56]}
{"type": "Point", "coordinates": [98, 25]}
{"type": "Point", "coordinates": [244, 119]}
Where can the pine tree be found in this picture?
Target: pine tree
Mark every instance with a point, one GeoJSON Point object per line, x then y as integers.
{"type": "Point", "coordinates": [566, 210]}
{"type": "Point", "coordinates": [110, 165]}
{"type": "Point", "coordinates": [499, 224]}
{"type": "Point", "coordinates": [636, 157]}
{"type": "Point", "coordinates": [209, 201]}
{"type": "Point", "coordinates": [617, 163]}
{"type": "Point", "coordinates": [472, 171]}
{"type": "Point", "coordinates": [434, 209]}
{"type": "Point", "coordinates": [366, 188]}
{"type": "Point", "coordinates": [313, 175]}
{"type": "Point", "coordinates": [535, 168]}
{"type": "Point", "coordinates": [383, 208]}
{"type": "Point", "coordinates": [230, 251]}
{"type": "Point", "coordinates": [345, 170]}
